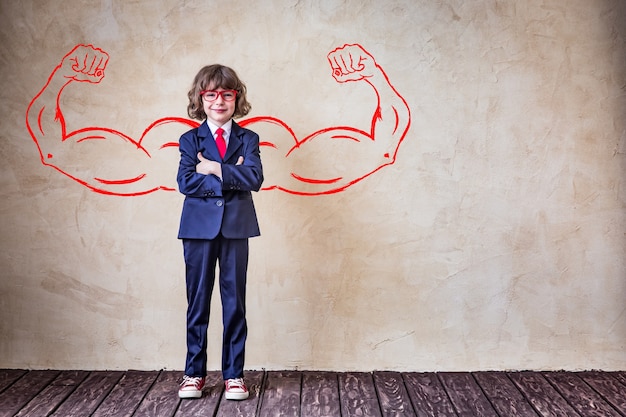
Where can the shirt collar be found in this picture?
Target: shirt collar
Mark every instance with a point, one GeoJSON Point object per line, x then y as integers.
{"type": "Point", "coordinates": [226, 126]}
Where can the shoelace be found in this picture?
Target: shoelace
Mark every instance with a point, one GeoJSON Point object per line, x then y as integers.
{"type": "Point", "coordinates": [191, 380]}
{"type": "Point", "coordinates": [235, 383]}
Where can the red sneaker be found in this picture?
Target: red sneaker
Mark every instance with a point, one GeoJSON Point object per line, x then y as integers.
{"type": "Point", "coordinates": [236, 389]}
{"type": "Point", "coordinates": [191, 387]}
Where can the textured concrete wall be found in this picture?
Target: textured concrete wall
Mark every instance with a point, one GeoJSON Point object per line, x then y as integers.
{"type": "Point", "coordinates": [478, 224]}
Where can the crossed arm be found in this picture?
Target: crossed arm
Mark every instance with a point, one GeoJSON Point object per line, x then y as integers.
{"type": "Point", "coordinates": [110, 162]}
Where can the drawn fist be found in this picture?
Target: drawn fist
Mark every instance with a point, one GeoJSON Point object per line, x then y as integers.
{"type": "Point", "coordinates": [85, 63]}
{"type": "Point", "coordinates": [351, 63]}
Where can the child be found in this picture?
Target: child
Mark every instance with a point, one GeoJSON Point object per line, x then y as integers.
{"type": "Point", "coordinates": [220, 165]}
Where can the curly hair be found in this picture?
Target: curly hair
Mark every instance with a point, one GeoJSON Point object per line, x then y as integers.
{"type": "Point", "coordinates": [216, 76]}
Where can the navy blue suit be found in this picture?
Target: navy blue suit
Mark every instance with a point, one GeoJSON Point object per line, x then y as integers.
{"type": "Point", "coordinates": [217, 219]}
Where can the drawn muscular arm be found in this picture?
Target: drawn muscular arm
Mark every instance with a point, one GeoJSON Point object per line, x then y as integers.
{"type": "Point", "coordinates": [110, 162]}
{"type": "Point", "coordinates": [102, 159]}
{"type": "Point", "coordinates": [44, 118]}
{"type": "Point", "coordinates": [332, 159]}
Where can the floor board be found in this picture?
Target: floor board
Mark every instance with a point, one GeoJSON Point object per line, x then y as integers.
{"type": "Point", "coordinates": [542, 395]}
{"type": "Point", "coordinates": [392, 395]}
{"type": "Point", "coordinates": [428, 395]}
{"type": "Point", "coordinates": [466, 395]}
{"type": "Point", "coordinates": [89, 394]}
{"type": "Point", "coordinates": [316, 394]}
{"type": "Point", "coordinates": [320, 395]}
{"type": "Point", "coordinates": [584, 399]}
{"type": "Point", "coordinates": [503, 395]}
{"type": "Point", "coordinates": [610, 385]}
{"type": "Point", "coordinates": [358, 395]}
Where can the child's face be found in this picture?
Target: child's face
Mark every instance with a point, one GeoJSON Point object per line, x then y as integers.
{"type": "Point", "coordinates": [219, 111]}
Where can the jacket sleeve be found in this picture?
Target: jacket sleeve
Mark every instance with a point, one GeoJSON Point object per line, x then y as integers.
{"type": "Point", "coordinates": [190, 183]}
{"type": "Point", "coordinates": [249, 175]}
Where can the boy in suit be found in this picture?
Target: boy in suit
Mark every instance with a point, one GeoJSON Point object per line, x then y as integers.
{"type": "Point", "coordinates": [220, 165]}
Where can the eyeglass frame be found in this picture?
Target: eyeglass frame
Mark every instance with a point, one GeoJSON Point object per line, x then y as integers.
{"type": "Point", "coordinates": [219, 94]}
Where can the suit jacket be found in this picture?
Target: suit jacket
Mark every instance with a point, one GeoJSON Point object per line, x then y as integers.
{"type": "Point", "coordinates": [212, 206]}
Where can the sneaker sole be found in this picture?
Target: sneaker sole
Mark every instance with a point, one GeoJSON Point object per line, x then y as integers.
{"type": "Point", "coordinates": [189, 394]}
{"type": "Point", "coordinates": [238, 396]}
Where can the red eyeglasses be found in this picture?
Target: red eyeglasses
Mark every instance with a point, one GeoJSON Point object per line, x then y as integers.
{"type": "Point", "coordinates": [212, 95]}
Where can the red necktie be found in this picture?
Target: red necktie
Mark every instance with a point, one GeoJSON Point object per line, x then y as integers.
{"type": "Point", "coordinates": [221, 143]}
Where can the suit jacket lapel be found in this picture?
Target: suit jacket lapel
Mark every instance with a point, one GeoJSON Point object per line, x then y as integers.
{"type": "Point", "coordinates": [207, 143]}
{"type": "Point", "coordinates": [234, 141]}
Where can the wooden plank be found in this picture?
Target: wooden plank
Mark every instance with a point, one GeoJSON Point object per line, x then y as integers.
{"type": "Point", "coordinates": [620, 376]}
{"type": "Point", "coordinates": [504, 395]}
{"type": "Point", "coordinates": [320, 394]}
{"type": "Point", "coordinates": [54, 394]}
{"type": "Point", "coordinates": [357, 395]}
{"type": "Point", "coordinates": [281, 394]}
{"type": "Point", "coordinates": [254, 382]}
{"type": "Point", "coordinates": [70, 378]}
{"type": "Point", "coordinates": [9, 376]}
{"type": "Point", "coordinates": [427, 395]}
{"type": "Point", "coordinates": [466, 395]}
{"type": "Point", "coordinates": [89, 394]}
{"type": "Point", "coordinates": [207, 405]}
{"type": "Point", "coordinates": [323, 394]}
{"type": "Point", "coordinates": [546, 400]}
{"type": "Point", "coordinates": [127, 394]}
{"type": "Point", "coordinates": [24, 390]}
{"type": "Point", "coordinates": [580, 395]}
{"type": "Point", "coordinates": [162, 398]}
{"type": "Point", "coordinates": [392, 395]}
{"type": "Point", "coordinates": [609, 386]}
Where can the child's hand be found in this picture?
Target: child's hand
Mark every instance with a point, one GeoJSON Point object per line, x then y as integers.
{"type": "Point", "coordinates": [208, 167]}
{"type": "Point", "coordinates": [85, 63]}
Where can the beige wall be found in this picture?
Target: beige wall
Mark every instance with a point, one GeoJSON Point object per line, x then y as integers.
{"type": "Point", "coordinates": [495, 241]}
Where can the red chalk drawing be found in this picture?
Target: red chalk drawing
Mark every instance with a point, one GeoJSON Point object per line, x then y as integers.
{"type": "Point", "coordinates": [110, 162]}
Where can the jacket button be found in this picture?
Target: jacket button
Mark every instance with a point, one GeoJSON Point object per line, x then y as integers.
{"type": "Point", "coordinates": [219, 203]}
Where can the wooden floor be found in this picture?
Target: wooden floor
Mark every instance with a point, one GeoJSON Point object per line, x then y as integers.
{"type": "Point", "coordinates": [332, 394]}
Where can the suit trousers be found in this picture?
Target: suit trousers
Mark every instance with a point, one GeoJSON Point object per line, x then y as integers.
{"type": "Point", "coordinates": [201, 256]}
